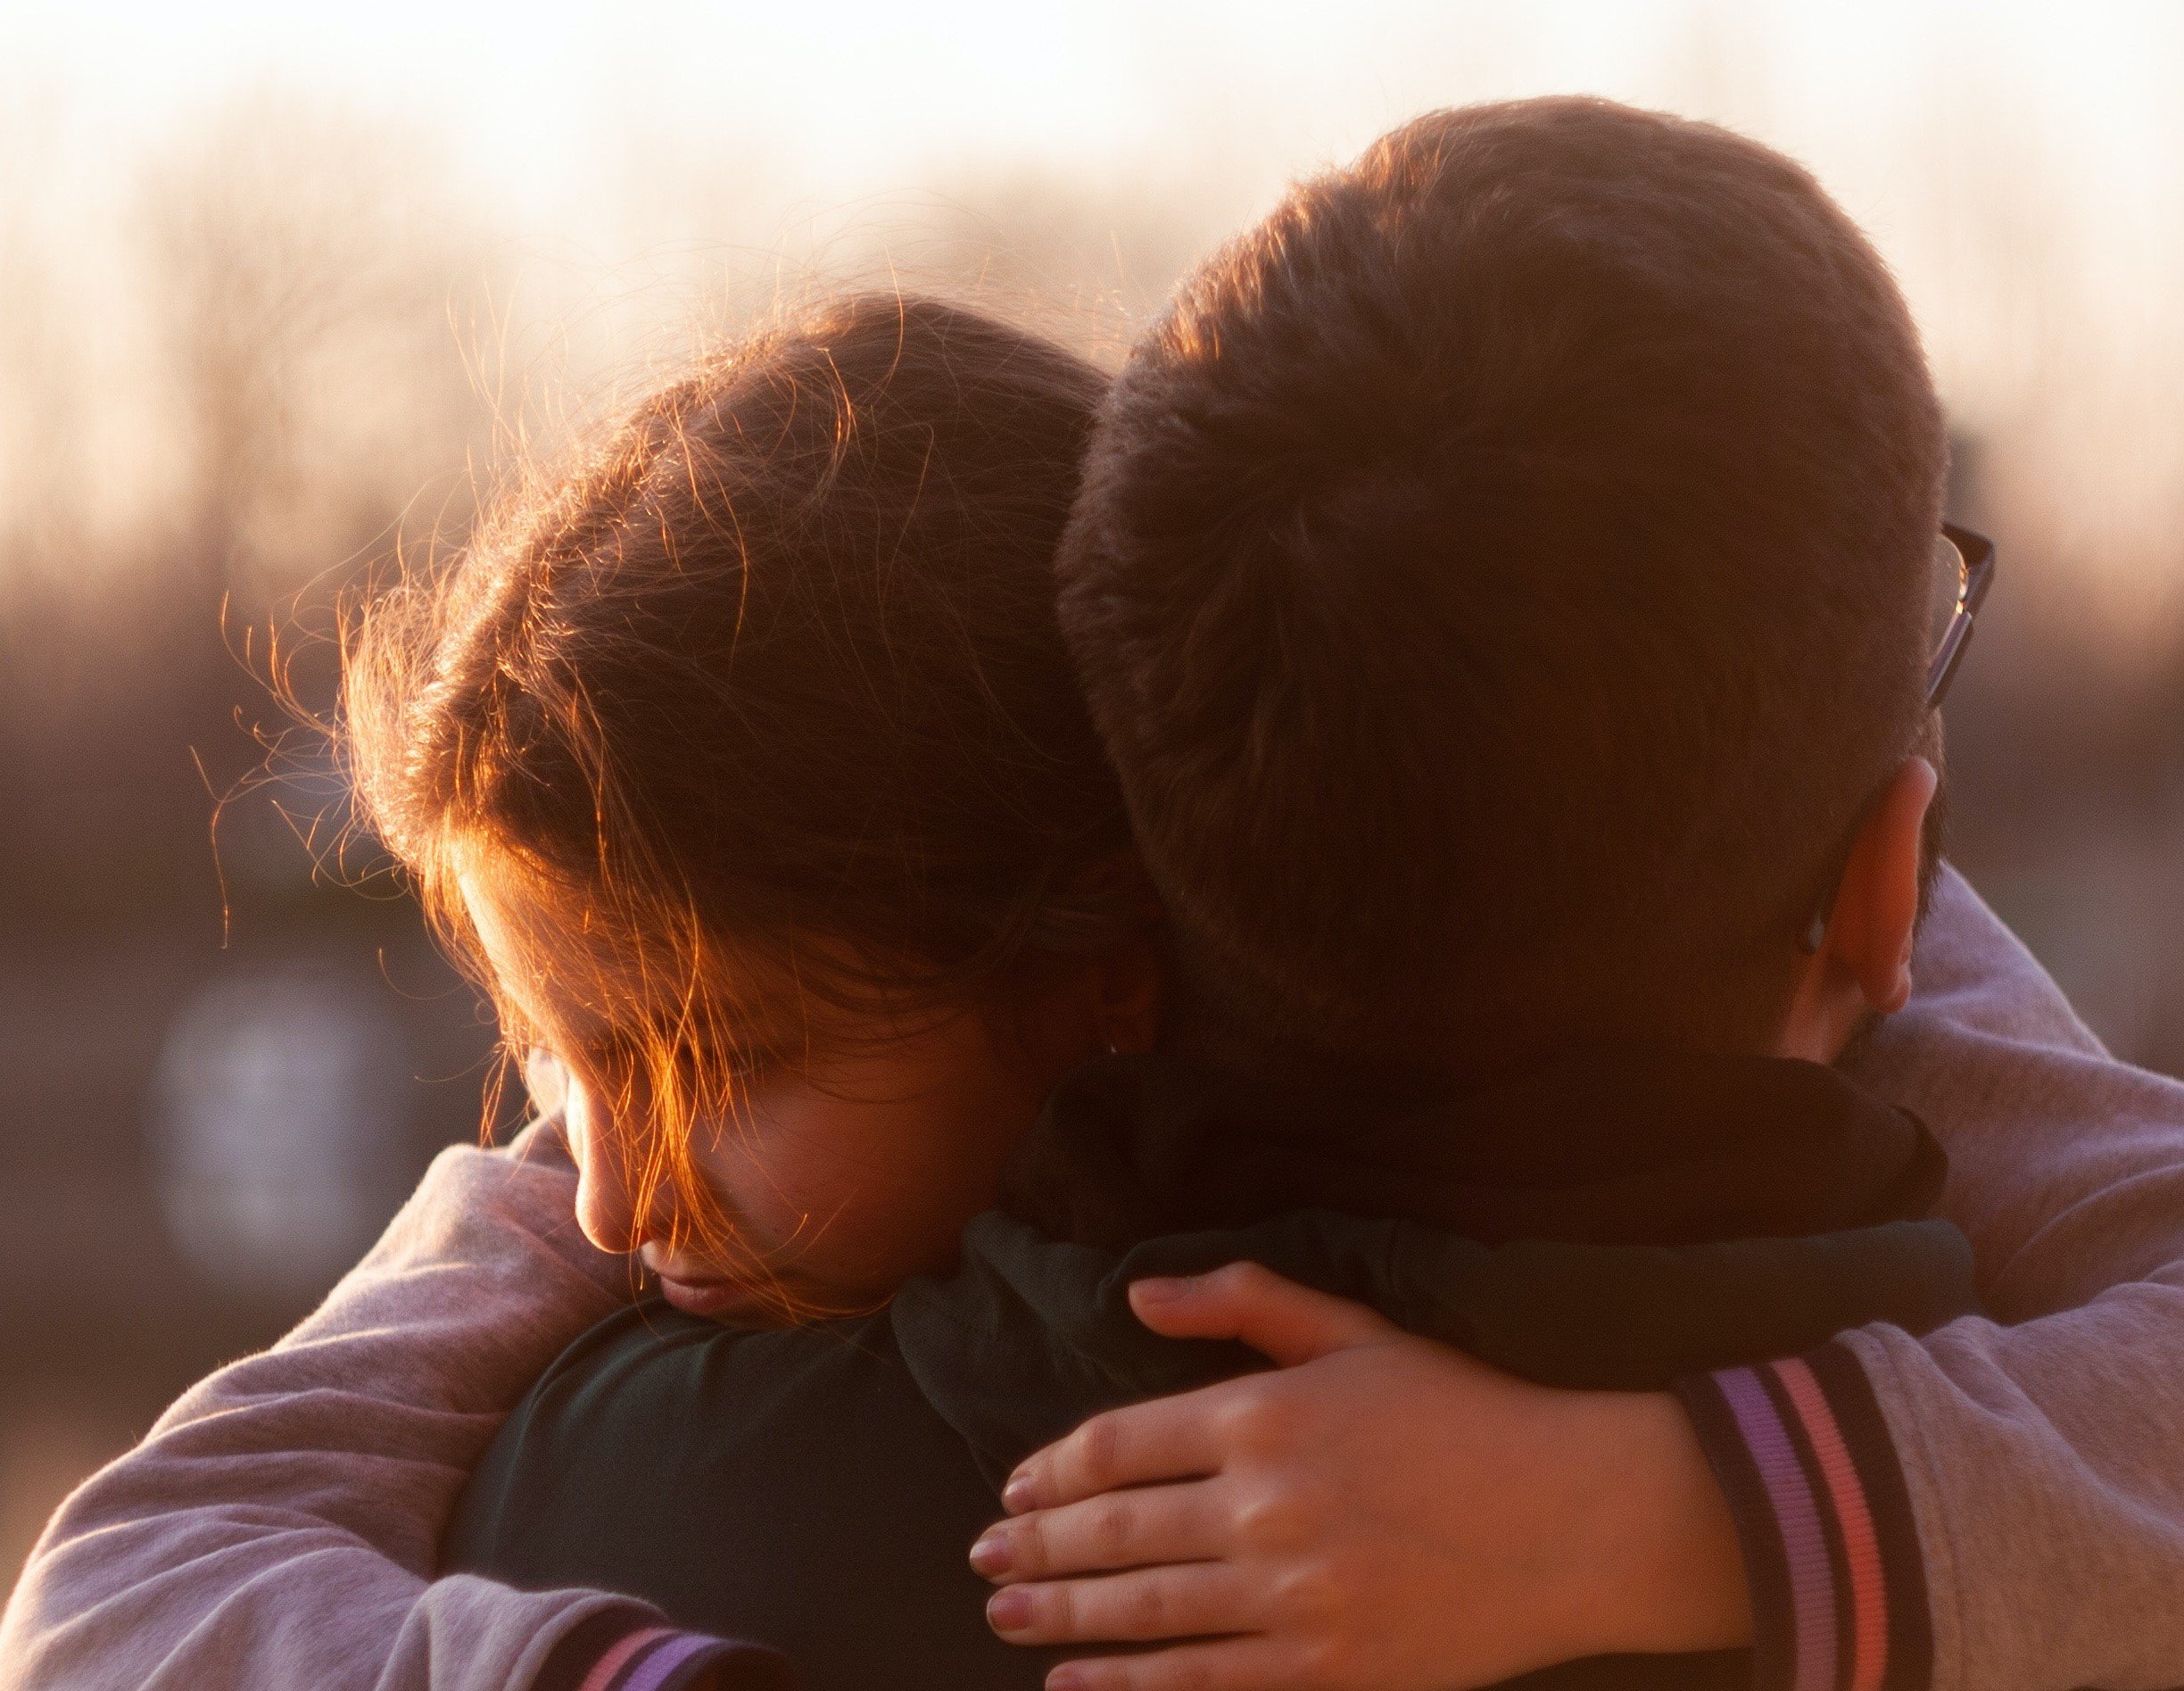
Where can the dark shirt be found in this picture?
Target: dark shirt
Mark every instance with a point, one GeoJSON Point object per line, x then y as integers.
{"type": "Point", "coordinates": [818, 1489]}
{"type": "Point", "coordinates": [733, 1478]}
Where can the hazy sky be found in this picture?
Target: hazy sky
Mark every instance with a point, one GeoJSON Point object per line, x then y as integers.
{"type": "Point", "coordinates": [858, 95]}
{"type": "Point", "coordinates": [2022, 165]}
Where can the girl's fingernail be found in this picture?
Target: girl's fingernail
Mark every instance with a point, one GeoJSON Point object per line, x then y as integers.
{"type": "Point", "coordinates": [1016, 1495]}
{"type": "Point", "coordinates": [1163, 1289]}
{"type": "Point", "coordinates": [1009, 1611]}
{"type": "Point", "coordinates": [991, 1555]}
{"type": "Point", "coordinates": [1064, 1678]}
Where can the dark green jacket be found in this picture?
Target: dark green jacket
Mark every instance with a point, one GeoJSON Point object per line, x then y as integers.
{"type": "Point", "coordinates": [818, 1488]}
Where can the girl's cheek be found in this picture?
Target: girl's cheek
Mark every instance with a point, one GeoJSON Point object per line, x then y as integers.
{"type": "Point", "coordinates": [753, 1166]}
{"type": "Point", "coordinates": [864, 1174]}
{"type": "Point", "coordinates": [841, 1187]}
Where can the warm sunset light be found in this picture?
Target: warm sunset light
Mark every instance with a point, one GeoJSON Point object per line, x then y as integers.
{"type": "Point", "coordinates": [942, 651]}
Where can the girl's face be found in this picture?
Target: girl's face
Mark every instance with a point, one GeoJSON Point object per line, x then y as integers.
{"type": "Point", "coordinates": [844, 1168]}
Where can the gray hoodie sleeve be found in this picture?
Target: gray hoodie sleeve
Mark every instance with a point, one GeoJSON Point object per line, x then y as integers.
{"type": "Point", "coordinates": [277, 1528]}
{"type": "Point", "coordinates": [2042, 1448]}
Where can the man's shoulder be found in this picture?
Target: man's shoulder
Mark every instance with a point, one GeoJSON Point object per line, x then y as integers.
{"type": "Point", "coordinates": [1988, 1046]}
{"type": "Point", "coordinates": [651, 1419]}
{"type": "Point", "coordinates": [748, 1482]}
{"type": "Point", "coordinates": [1971, 974]}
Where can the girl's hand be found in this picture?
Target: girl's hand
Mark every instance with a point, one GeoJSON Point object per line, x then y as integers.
{"type": "Point", "coordinates": [1380, 1512]}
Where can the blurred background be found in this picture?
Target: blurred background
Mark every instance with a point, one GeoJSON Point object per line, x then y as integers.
{"type": "Point", "coordinates": [280, 286]}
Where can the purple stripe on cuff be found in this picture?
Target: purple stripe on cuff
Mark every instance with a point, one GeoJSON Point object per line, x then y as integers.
{"type": "Point", "coordinates": [658, 1666]}
{"type": "Point", "coordinates": [624, 1648]}
{"type": "Point", "coordinates": [1797, 1513]}
{"type": "Point", "coordinates": [1774, 1646]}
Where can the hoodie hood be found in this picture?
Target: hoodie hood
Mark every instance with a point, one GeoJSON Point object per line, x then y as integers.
{"type": "Point", "coordinates": [1610, 1146]}
{"type": "Point", "coordinates": [1032, 1334]}
{"type": "Point", "coordinates": [1615, 1220]}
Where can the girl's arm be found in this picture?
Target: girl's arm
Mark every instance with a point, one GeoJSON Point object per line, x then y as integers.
{"type": "Point", "coordinates": [278, 1527]}
{"type": "Point", "coordinates": [2040, 1450]}
{"type": "Point", "coordinates": [1993, 1508]}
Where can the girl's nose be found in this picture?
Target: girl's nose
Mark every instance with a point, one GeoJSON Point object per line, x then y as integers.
{"type": "Point", "coordinates": [603, 1212]}
{"type": "Point", "coordinates": [605, 1179]}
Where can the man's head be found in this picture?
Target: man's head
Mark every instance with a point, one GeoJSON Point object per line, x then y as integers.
{"type": "Point", "coordinates": [1502, 579]}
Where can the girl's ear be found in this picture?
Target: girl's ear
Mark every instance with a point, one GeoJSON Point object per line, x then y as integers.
{"type": "Point", "coordinates": [1130, 995]}
{"type": "Point", "coordinates": [1875, 918]}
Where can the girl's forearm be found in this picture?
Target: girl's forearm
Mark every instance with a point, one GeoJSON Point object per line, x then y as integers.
{"type": "Point", "coordinates": [1670, 1569]}
{"type": "Point", "coordinates": [278, 1526]}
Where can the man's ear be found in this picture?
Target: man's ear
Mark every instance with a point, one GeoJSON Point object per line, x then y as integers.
{"type": "Point", "coordinates": [1876, 917]}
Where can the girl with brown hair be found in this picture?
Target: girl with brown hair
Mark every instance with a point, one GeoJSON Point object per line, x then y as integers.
{"type": "Point", "coordinates": [744, 765]}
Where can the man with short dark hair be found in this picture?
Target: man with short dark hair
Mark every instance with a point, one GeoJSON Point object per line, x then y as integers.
{"type": "Point", "coordinates": [1502, 579]}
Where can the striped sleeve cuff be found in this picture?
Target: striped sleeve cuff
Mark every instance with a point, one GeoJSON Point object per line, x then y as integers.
{"type": "Point", "coordinates": [1838, 1586]}
{"type": "Point", "coordinates": [628, 1650]}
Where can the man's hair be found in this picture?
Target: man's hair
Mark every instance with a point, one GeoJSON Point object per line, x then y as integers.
{"type": "Point", "coordinates": [1501, 579]}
